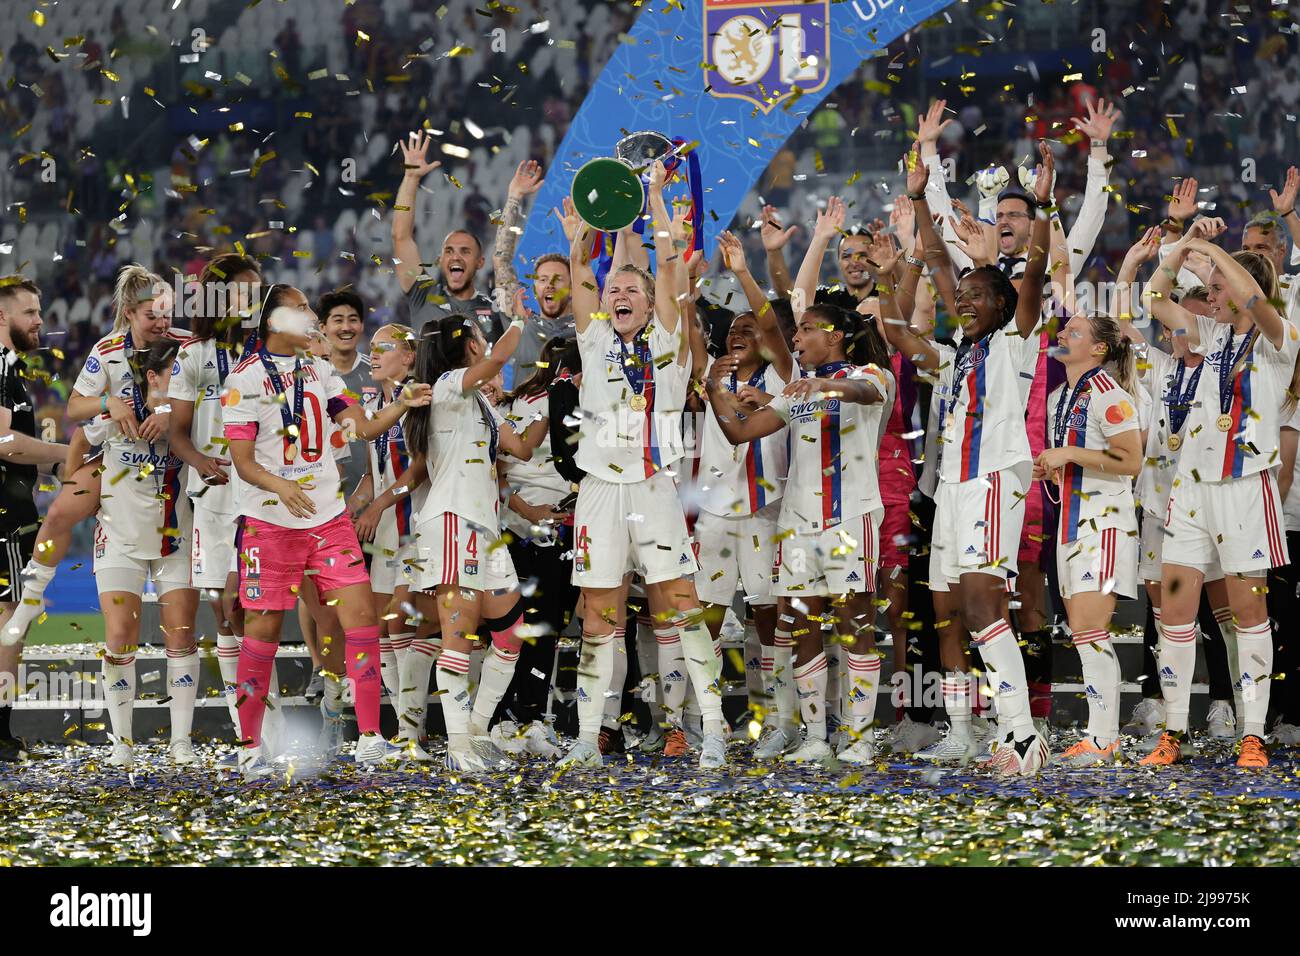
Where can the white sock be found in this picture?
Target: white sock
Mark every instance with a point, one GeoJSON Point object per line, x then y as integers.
{"type": "Point", "coordinates": [333, 694]}
{"type": "Point", "coordinates": [388, 671]}
{"type": "Point", "coordinates": [756, 679]}
{"type": "Point", "coordinates": [810, 680]}
{"type": "Point", "coordinates": [1255, 653]}
{"type": "Point", "coordinates": [453, 681]}
{"type": "Point", "coordinates": [119, 693]}
{"type": "Point", "coordinates": [957, 702]}
{"type": "Point", "coordinates": [1228, 629]}
{"type": "Point", "coordinates": [863, 672]}
{"type": "Point", "coordinates": [1177, 662]}
{"type": "Point", "coordinates": [834, 681]}
{"type": "Point", "coordinates": [413, 700]}
{"type": "Point", "coordinates": [498, 672]}
{"type": "Point", "coordinates": [35, 578]}
{"type": "Point", "coordinates": [228, 664]}
{"type": "Point", "coordinates": [1101, 678]}
{"type": "Point", "coordinates": [617, 680]}
{"type": "Point", "coordinates": [647, 656]}
{"type": "Point", "coordinates": [1001, 653]}
{"type": "Point", "coordinates": [475, 665]}
{"type": "Point", "coordinates": [183, 687]}
{"type": "Point", "coordinates": [401, 647]}
{"type": "Point", "coordinates": [672, 673]}
{"type": "Point", "coordinates": [595, 672]}
{"type": "Point", "coordinates": [767, 665]}
{"type": "Point", "coordinates": [783, 689]}
{"type": "Point", "coordinates": [705, 667]}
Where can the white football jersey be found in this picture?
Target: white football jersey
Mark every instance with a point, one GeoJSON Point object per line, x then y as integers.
{"type": "Point", "coordinates": [107, 368]}
{"type": "Point", "coordinates": [196, 377]}
{"type": "Point", "coordinates": [1252, 411]}
{"type": "Point", "coordinates": [1088, 416]}
{"type": "Point", "coordinates": [834, 452]}
{"type": "Point", "coordinates": [741, 479]}
{"type": "Point", "coordinates": [250, 399]}
{"type": "Point", "coordinates": [463, 430]}
{"type": "Point", "coordinates": [143, 509]}
{"type": "Point", "coordinates": [619, 443]}
{"type": "Point", "coordinates": [982, 429]}
{"type": "Point", "coordinates": [389, 461]}
{"type": "Point", "coordinates": [1158, 377]}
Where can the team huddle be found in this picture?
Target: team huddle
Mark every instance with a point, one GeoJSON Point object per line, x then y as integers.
{"type": "Point", "coordinates": [803, 462]}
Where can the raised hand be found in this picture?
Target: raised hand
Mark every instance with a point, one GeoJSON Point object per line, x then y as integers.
{"type": "Point", "coordinates": [1046, 174]}
{"type": "Point", "coordinates": [733, 253]}
{"type": "Point", "coordinates": [1099, 122]}
{"type": "Point", "coordinates": [1208, 228]}
{"type": "Point", "coordinates": [774, 237]}
{"type": "Point", "coordinates": [882, 256]}
{"type": "Point", "coordinates": [570, 221]}
{"type": "Point", "coordinates": [917, 174]}
{"type": "Point", "coordinates": [1146, 248]}
{"type": "Point", "coordinates": [1284, 202]}
{"type": "Point", "coordinates": [932, 124]}
{"type": "Point", "coordinates": [527, 179]}
{"type": "Point", "coordinates": [903, 218]}
{"type": "Point", "coordinates": [658, 175]}
{"type": "Point", "coordinates": [974, 241]}
{"type": "Point", "coordinates": [831, 221]}
{"type": "Point", "coordinates": [1182, 204]}
{"type": "Point", "coordinates": [415, 154]}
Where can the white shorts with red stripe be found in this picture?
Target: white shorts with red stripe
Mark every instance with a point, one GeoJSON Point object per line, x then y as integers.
{"type": "Point", "coordinates": [1151, 551]}
{"type": "Point", "coordinates": [1236, 524]}
{"type": "Point", "coordinates": [639, 526]}
{"type": "Point", "coordinates": [977, 526]}
{"type": "Point", "coordinates": [839, 560]}
{"type": "Point", "coordinates": [1104, 561]}
{"type": "Point", "coordinates": [736, 552]}
{"type": "Point", "coordinates": [452, 552]}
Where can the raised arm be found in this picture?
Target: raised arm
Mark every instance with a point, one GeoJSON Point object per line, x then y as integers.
{"type": "Point", "coordinates": [1159, 302]}
{"type": "Point", "coordinates": [416, 166]}
{"type": "Point", "coordinates": [774, 241]}
{"type": "Point", "coordinates": [629, 250]}
{"type": "Point", "coordinates": [934, 249]}
{"type": "Point", "coordinates": [1284, 205]}
{"type": "Point", "coordinates": [771, 340]}
{"type": "Point", "coordinates": [897, 332]}
{"type": "Point", "coordinates": [1122, 307]}
{"type": "Point", "coordinates": [1097, 126]}
{"type": "Point", "coordinates": [526, 181]}
{"type": "Point", "coordinates": [828, 224]}
{"type": "Point", "coordinates": [583, 294]}
{"type": "Point", "coordinates": [1244, 292]}
{"type": "Point", "coordinates": [668, 258]}
{"type": "Point", "coordinates": [929, 126]}
{"type": "Point", "coordinates": [1029, 307]}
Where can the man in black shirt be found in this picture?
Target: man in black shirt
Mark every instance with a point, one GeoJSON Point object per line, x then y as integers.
{"type": "Point", "coordinates": [460, 260]}
{"type": "Point", "coordinates": [21, 453]}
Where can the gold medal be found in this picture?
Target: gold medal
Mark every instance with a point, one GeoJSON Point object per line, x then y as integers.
{"type": "Point", "coordinates": [290, 453]}
{"type": "Point", "coordinates": [1225, 423]}
{"type": "Point", "coordinates": [638, 403]}
{"type": "Point", "coordinates": [1174, 443]}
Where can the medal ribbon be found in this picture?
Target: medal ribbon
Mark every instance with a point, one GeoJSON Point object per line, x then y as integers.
{"type": "Point", "coordinates": [1062, 418]}
{"type": "Point", "coordinates": [287, 416]}
{"type": "Point", "coordinates": [1180, 401]}
{"type": "Point", "coordinates": [1227, 362]}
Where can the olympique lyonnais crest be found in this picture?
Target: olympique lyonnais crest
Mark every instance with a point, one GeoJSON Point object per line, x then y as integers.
{"type": "Point", "coordinates": [763, 52]}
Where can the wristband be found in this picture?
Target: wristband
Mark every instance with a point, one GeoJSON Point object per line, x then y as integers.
{"type": "Point", "coordinates": [917, 197]}
{"type": "Point", "coordinates": [103, 403]}
{"type": "Point", "coordinates": [518, 323]}
{"type": "Point", "coordinates": [1289, 212]}
{"type": "Point", "coordinates": [913, 261]}
{"type": "Point", "coordinates": [1099, 142]}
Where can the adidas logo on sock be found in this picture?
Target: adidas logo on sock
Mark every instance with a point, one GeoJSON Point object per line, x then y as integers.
{"type": "Point", "coordinates": [1092, 693]}
{"type": "Point", "coordinates": [857, 696]}
{"type": "Point", "coordinates": [674, 677]}
{"type": "Point", "coordinates": [185, 680]}
{"type": "Point", "coordinates": [582, 695]}
{"type": "Point", "coordinates": [1167, 676]}
{"type": "Point", "coordinates": [122, 684]}
{"type": "Point", "coordinates": [1005, 688]}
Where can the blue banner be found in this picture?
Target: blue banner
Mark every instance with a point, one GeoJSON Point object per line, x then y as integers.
{"type": "Point", "coordinates": [736, 76]}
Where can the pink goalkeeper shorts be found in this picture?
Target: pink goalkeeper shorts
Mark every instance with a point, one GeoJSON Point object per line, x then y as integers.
{"type": "Point", "coordinates": [273, 561]}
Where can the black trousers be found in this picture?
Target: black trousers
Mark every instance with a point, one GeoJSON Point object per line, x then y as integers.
{"type": "Point", "coordinates": [922, 653]}
{"type": "Point", "coordinates": [551, 605]}
{"type": "Point", "coordinates": [1283, 607]}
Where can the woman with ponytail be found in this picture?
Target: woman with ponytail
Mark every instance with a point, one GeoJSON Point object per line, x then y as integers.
{"type": "Point", "coordinates": [1225, 505]}
{"type": "Point", "coordinates": [1094, 452]}
{"type": "Point", "coordinates": [461, 555]}
{"type": "Point", "coordinates": [107, 388]}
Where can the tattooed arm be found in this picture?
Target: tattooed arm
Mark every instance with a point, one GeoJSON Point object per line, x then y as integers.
{"type": "Point", "coordinates": [527, 180]}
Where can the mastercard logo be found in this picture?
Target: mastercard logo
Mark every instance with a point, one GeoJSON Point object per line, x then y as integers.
{"type": "Point", "coordinates": [231, 397]}
{"type": "Point", "coordinates": [1119, 413]}
{"type": "Point", "coordinates": [337, 439]}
